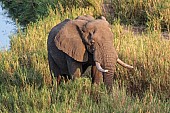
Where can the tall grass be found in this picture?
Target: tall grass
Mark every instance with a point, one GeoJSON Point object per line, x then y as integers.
{"type": "Point", "coordinates": [25, 82]}
{"type": "Point", "coordinates": [153, 14]}
{"type": "Point", "coordinates": [150, 55]}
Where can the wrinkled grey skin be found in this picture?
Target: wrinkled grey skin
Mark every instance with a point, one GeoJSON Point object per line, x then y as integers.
{"type": "Point", "coordinates": [60, 63]}
{"type": "Point", "coordinates": [73, 45]}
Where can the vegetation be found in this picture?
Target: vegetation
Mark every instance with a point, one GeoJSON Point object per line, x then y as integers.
{"type": "Point", "coordinates": [25, 82]}
{"type": "Point", "coordinates": [153, 14]}
{"type": "Point", "coordinates": [26, 11]}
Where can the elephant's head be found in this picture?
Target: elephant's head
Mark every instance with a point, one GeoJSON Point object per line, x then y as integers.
{"type": "Point", "coordinates": [80, 36]}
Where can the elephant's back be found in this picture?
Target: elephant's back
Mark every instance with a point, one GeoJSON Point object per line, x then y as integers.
{"type": "Point", "coordinates": [54, 31]}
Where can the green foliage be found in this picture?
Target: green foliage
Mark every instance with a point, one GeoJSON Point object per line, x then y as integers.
{"type": "Point", "coordinates": [26, 11]}
{"type": "Point", "coordinates": [25, 81]}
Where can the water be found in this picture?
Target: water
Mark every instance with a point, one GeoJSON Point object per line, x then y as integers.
{"type": "Point", "coordinates": [7, 28]}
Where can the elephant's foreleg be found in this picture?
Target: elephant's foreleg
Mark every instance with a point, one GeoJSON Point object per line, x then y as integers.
{"type": "Point", "coordinates": [54, 70]}
{"type": "Point", "coordinates": [74, 68]}
{"type": "Point", "coordinates": [96, 75]}
{"type": "Point", "coordinates": [55, 74]}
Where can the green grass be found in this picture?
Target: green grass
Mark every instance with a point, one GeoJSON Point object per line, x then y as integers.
{"type": "Point", "coordinates": [25, 81]}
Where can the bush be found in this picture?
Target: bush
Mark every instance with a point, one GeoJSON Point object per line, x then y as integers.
{"type": "Point", "coordinates": [26, 11]}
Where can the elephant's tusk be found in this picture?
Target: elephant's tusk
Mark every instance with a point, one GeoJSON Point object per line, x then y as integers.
{"type": "Point", "coordinates": [124, 64]}
{"type": "Point", "coordinates": [100, 68]}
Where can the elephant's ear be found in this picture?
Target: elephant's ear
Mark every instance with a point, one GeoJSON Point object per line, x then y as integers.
{"type": "Point", "coordinates": [70, 42]}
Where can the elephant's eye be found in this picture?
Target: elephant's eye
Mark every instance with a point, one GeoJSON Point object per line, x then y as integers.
{"type": "Point", "coordinates": [92, 41]}
{"type": "Point", "coordinates": [92, 48]}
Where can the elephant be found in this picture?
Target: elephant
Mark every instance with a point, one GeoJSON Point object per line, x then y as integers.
{"type": "Point", "coordinates": [74, 45]}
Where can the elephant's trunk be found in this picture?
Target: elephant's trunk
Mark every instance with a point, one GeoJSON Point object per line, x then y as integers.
{"type": "Point", "coordinates": [109, 64]}
{"type": "Point", "coordinates": [106, 56]}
